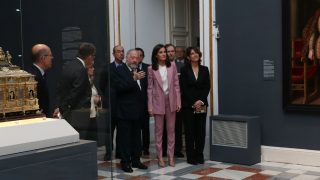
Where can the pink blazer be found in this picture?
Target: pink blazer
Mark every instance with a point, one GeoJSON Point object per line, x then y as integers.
{"type": "Point", "coordinates": [156, 96]}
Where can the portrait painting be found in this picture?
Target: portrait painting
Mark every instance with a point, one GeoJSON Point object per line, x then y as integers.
{"type": "Point", "coordinates": [301, 54]}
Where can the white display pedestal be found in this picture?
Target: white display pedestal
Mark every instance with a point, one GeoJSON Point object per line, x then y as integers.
{"type": "Point", "coordinates": [30, 134]}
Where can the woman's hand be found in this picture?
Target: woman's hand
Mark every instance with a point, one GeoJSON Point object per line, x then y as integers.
{"type": "Point", "coordinates": [178, 108]}
{"type": "Point", "coordinates": [198, 104]}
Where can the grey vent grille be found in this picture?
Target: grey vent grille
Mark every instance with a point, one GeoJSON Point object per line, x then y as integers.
{"type": "Point", "coordinates": [230, 133]}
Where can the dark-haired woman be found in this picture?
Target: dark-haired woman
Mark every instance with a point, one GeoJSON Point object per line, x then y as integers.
{"type": "Point", "coordinates": [163, 99]}
{"type": "Point", "coordinates": [195, 87]}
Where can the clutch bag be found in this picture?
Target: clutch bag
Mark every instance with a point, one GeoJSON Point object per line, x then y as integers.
{"type": "Point", "coordinates": [203, 109]}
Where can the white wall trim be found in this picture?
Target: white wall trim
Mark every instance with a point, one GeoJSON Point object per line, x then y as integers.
{"type": "Point", "coordinates": [290, 155]}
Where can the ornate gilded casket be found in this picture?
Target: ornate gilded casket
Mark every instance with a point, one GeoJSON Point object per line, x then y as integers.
{"type": "Point", "coordinates": [18, 89]}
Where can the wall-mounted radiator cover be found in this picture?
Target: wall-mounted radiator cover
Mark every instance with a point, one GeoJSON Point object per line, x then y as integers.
{"type": "Point", "coordinates": [235, 139]}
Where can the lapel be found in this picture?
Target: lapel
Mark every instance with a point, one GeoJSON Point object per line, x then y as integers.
{"type": "Point", "coordinates": [169, 75]}
{"type": "Point", "coordinates": [191, 74]}
{"type": "Point", "coordinates": [158, 77]}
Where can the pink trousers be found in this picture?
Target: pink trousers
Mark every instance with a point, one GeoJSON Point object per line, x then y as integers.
{"type": "Point", "coordinates": [170, 118]}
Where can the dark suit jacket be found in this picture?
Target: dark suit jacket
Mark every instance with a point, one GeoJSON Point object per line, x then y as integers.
{"type": "Point", "coordinates": [144, 86]}
{"type": "Point", "coordinates": [74, 90]}
{"type": "Point", "coordinates": [193, 89]}
{"type": "Point", "coordinates": [42, 90]}
{"type": "Point", "coordinates": [129, 95]}
{"type": "Point", "coordinates": [113, 90]}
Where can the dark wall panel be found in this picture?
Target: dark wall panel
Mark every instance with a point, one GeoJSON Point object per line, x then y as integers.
{"type": "Point", "coordinates": [44, 22]}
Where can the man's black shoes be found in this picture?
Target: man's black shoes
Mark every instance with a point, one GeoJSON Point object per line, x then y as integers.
{"type": "Point", "coordinates": [127, 168]}
{"type": "Point", "coordinates": [139, 165]}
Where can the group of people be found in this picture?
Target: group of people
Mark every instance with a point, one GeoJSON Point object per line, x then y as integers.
{"type": "Point", "coordinates": [173, 89]}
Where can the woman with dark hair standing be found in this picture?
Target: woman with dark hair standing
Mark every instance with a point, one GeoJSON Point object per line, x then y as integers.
{"type": "Point", "coordinates": [163, 99]}
{"type": "Point", "coordinates": [195, 87]}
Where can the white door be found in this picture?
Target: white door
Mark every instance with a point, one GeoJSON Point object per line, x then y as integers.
{"type": "Point", "coordinates": [178, 22]}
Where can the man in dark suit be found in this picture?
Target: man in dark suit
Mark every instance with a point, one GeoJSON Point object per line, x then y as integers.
{"type": "Point", "coordinates": [110, 93]}
{"type": "Point", "coordinates": [180, 58]}
{"type": "Point", "coordinates": [127, 82]}
{"type": "Point", "coordinates": [74, 89]}
{"type": "Point", "coordinates": [145, 116]}
{"type": "Point", "coordinates": [42, 60]}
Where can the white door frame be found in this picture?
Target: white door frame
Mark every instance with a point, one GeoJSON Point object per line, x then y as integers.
{"type": "Point", "coordinates": [209, 47]}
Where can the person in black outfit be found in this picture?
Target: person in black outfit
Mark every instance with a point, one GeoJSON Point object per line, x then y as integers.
{"type": "Point", "coordinates": [129, 111]}
{"type": "Point", "coordinates": [180, 58]}
{"type": "Point", "coordinates": [74, 90]}
{"type": "Point", "coordinates": [195, 87]}
{"type": "Point", "coordinates": [145, 116]}
{"type": "Point", "coordinates": [42, 61]}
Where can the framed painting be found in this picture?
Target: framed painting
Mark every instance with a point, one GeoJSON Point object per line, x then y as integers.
{"type": "Point", "coordinates": [301, 54]}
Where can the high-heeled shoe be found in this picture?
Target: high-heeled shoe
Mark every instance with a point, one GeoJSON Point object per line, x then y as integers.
{"type": "Point", "coordinates": [160, 162]}
{"type": "Point", "coordinates": [171, 162]}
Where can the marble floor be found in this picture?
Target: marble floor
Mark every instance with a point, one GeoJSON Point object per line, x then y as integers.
{"type": "Point", "coordinates": [209, 170]}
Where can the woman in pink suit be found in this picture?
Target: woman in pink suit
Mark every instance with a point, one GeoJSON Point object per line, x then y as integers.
{"type": "Point", "coordinates": [163, 99]}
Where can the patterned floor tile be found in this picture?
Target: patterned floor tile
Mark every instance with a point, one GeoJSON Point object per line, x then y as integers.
{"type": "Point", "coordinates": [246, 169]}
{"type": "Point", "coordinates": [206, 171]}
{"type": "Point", "coordinates": [258, 177]}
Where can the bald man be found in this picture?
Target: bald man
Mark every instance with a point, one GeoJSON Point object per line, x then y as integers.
{"type": "Point", "coordinates": [42, 61]}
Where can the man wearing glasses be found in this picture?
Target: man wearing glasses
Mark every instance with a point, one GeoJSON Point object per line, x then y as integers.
{"type": "Point", "coordinates": [42, 61]}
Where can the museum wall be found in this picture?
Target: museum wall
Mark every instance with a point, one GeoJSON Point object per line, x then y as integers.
{"type": "Point", "coordinates": [61, 24]}
{"type": "Point", "coordinates": [251, 32]}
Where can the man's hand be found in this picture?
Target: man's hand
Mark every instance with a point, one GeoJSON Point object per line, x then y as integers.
{"type": "Point", "coordinates": [138, 75]}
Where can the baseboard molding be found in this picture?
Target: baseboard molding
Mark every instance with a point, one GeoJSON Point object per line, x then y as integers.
{"type": "Point", "coordinates": [290, 155]}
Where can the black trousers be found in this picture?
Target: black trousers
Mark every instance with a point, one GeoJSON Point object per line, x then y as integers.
{"type": "Point", "coordinates": [178, 132]}
{"type": "Point", "coordinates": [129, 132]}
{"type": "Point", "coordinates": [195, 133]}
{"type": "Point", "coordinates": [145, 132]}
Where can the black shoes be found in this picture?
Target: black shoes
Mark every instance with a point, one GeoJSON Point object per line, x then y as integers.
{"type": "Point", "coordinates": [139, 165]}
{"type": "Point", "coordinates": [191, 161]}
{"type": "Point", "coordinates": [127, 168]}
{"type": "Point", "coordinates": [107, 157]}
{"type": "Point", "coordinates": [178, 155]}
{"type": "Point", "coordinates": [118, 156]}
{"type": "Point", "coordinates": [200, 160]}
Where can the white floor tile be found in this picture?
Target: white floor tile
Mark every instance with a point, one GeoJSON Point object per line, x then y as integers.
{"type": "Point", "coordinates": [305, 177]}
{"type": "Point", "coordinates": [269, 172]}
{"type": "Point", "coordinates": [273, 164]}
{"type": "Point", "coordinates": [221, 166]}
{"type": "Point", "coordinates": [191, 176]}
{"type": "Point", "coordinates": [301, 167]}
{"type": "Point", "coordinates": [296, 171]}
{"type": "Point", "coordinates": [231, 174]}
{"type": "Point", "coordinates": [164, 177]}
